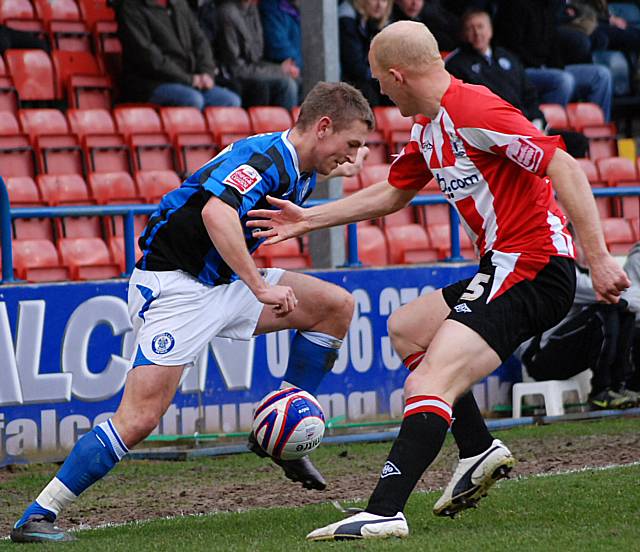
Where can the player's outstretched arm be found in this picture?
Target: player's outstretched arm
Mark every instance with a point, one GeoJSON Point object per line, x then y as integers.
{"type": "Point", "coordinates": [574, 192]}
{"type": "Point", "coordinates": [288, 220]}
{"type": "Point", "coordinates": [223, 226]}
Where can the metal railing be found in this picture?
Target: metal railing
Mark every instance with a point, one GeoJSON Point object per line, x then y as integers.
{"type": "Point", "coordinates": [8, 214]}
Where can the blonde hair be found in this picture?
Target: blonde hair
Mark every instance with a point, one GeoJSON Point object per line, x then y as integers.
{"type": "Point", "coordinates": [361, 7]}
{"type": "Point", "coordinates": [406, 44]}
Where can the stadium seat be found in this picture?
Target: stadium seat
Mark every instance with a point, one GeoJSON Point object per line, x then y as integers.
{"type": "Point", "coordinates": [269, 119]}
{"type": "Point", "coordinates": [17, 157]}
{"type": "Point", "coordinates": [409, 244]}
{"type": "Point", "coordinates": [372, 174]}
{"type": "Point", "coordinates": [88, 258]}
{"type": "Point", "coordinates": [23, 191]}
{"type": "Point", "coordinates": [57, 150]}
{"type": "Point", "coordinates": [604, 204]}
{"type": "Point", "coordinates": [154, 184]}
{"type": "Point", "coordinates": [295, 113]}
{"type": "Point", "coordinates": [32, 73]}
{"type": "Point", "coordinates": [395, 127]}
{"type": "Point", "coordinates": [64, 189]}
{"type": "Point", "coordinates": [440, 238]}
{"type": "Point", "coordinates": [287, 254]}
{"type": "Point", "coordinates": [588, 118]}
{"type": "Point", "coordinates": [33, 229]}
{"type": "Point", "coordinates": [9, 124]}
{"type": "Point", "coordinates": [62, 20]}
{"type": "Point", "coordinates": [19, 15]}
{"type": "Point", "coordinates": [79, 75]}
{"type": "Point", "coordinates": [95, 11]}
{"type": "Point", "coordinates": [400, 218]}
{"type": "Point", "coordinates": [378, 150]}
{"type": "Point", "coordinates": [115, 237]}
{"type": "Point", "coordinates": [79, 227]}
{"type": "Point", "coordinates": [192, 141]}
{"type": "Point", "coordinates": [150, 144]}
{"type": "Point", "coordinates": [619, 235]}
{"type": "Point", "coordinates": [617, 171]}
{"type": "Point", "coordinates": [372, 245]}
{"type": "Point", "coordinates": [8, 92]}
{"type": "Point", "coordinates": [116, 187]}
{"type": "Point", "coordinates": [37, 260]}
{"type": "Point", "coordinates": [227, 124]}
{"type": "Point", "coordinates": [555, 115]}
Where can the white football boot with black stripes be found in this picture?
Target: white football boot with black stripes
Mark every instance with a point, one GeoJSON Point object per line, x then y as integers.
{"type": "Point", "coordinates": [473, 477]}
{"type": "Point", "coordinates": [363, 526]}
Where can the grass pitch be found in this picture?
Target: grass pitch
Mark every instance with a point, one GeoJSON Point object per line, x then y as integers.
{"type": "Point", "coordinates": [591, 510]}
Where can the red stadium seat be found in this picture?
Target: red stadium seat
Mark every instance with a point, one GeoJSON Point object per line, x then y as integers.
{"type": "Point", "coordinates": [23, 191]}
{"type": "Point", "coordinates": [80, 227]}
{"type": "Point", "coordinates": [154, 184]}
{"type": "Point", "coordinates": [588, 118]}
{"type": "Point", "coordinates": [269, 119]}
{"type": "Point", "coordinates": [149, 143]}
{"type": "Point", "coordinates": [19, 15]}
{"type": "Point", "coordinates": [8, 124]}
{"type": "Point", "coordinates": [617, 171]}
{"type": "Point", "coordinates": [117, 187]}
{"type": "Point", "coordinates": [79, 74]}
{"type": "Point", "coordinates": [286, 254]}
{"type": "Point", "coordinates": [32, 229]}
{"type": "Point", "coordinates": [58, 151]}
{"type": "Point", "coordinates": [88, 258]}
{"type": "Point", "coordinates": [409, 244]}
{"type": "Point", "coordinates": [17, 157]}
{"type": "Point", "coordinates": [94, 11]}
{"type": "Point", "coordinates": [227, 124]}
{"type": "Point", "coordinates": [8, 92]}
{"type": "Point", "coordinates": [38, 261]}
{"type": "Point", "coordinates": [372, 174]}
{"type": "Point", "coordinates": [378, 149]}
{"type": "Point", "coordinates": [372, 245]}
{"type": "Point", "coordinates": [400, 218]}
{"type": "Point", "coordinates": [590, 170]}
{"type": "Point", "coordinates": [395, 127]}
{"type": "Point", "coordinates": [440, 238]}
{"type": "Point", "coordinates": [295, 113]}
{"type": "Point", "coordinates": [91, 121]}
{"type": "Point", "coordinates": [192, 141]}
{"type": "Point", "coordinates": [555, 115]}
{"type": "Point", "coordinates": [65, 189]}
{"type": "Point", "coordinates": [619, 235]}
{"type": "Point", "coordinates": [115, 239]}
{"type": "Point", "coordinates": [32, 73]}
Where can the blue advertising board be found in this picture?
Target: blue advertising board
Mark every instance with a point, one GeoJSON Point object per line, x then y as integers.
{"type": "Point", "coordinates": [64, 351]}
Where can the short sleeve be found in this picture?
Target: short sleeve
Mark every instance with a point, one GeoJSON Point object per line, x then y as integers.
{"type": "Point", "coordinates": [242, 179]}
{"type": "Point", "coordinates": [504, 131]}
{"type": "Point", "coordinates": [409, 170]}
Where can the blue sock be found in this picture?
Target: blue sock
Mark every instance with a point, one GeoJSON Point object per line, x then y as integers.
{"type": "Point", "coordinates": [312, 355]}
{"type": "Point", "coordinates": [93, 456]}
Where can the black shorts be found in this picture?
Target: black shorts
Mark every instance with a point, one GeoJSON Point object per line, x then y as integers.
{"type": "Point", "coordinates": [528, 307]}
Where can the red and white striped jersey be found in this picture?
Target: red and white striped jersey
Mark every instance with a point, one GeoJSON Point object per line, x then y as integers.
{"type": "Point", "coordinates": [490, 162]}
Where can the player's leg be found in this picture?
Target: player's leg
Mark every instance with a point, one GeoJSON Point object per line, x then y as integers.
{"type": "Point", "coordinates": [321, 319]}
{"type": "Point", "coordinates": [147, 395]}
{"type": "Point", "coordinates": [411, 328]}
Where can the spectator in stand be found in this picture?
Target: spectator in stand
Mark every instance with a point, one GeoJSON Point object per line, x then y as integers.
{"type": "Point", "coordinates": [442, 23]}
{"type": "Point", "coordinates": [282, 33]}
{"type": "Point", "coordinates": [240, 48]}
{"type": "Point", "coordinates": [478, 62]}
{"type": "Point", "coordinates": [166, 57]}
{"type": "Point", "coordinates": [359, 22]}
{"type": "Point", "coordinates": [528, 28]}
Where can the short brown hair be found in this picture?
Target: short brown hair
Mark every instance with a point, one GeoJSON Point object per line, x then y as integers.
{"type": "Point", "coordinates": [339, 101]}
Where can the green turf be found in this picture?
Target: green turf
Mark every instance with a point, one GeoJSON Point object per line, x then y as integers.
{"type": "Point", "coordinates": [592, 510]}
{"type": "Point", "coordinates": [597, 510]}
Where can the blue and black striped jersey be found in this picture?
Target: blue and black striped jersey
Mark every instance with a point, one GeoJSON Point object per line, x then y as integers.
{"type": "Point", "coordinates": [241, 175]}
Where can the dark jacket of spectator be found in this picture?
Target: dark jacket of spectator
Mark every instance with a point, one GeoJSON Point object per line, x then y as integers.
{"type": "Point", "coordinates": [503, 74]}
{"type": "Point", "coordinates": [160, 46]}
{"type": "Point", "coordinates": [281, 27]}
{"type": "Point", "coordinates": [240, 42]}
{"type": "Point", "coordinates": [443, 24]}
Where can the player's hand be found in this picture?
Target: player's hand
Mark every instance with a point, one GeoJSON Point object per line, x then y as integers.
{"type": "Point", "coordinates": [353, 168]}
{"type": "Point", "coordinates": [609, 280]}
{"type": "Point", "coordinates": [281, 299]}
{"type": "Point", "coordinates": [287, 221]}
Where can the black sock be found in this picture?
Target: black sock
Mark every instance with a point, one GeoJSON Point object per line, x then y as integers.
{"type": "Point", "coordinates": [468, 428]}
{"type": "Point", "coordinates": [422, 433]}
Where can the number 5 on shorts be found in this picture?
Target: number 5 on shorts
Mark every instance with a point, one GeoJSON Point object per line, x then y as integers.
{"type": "Point", "coordinates": [475, 289]}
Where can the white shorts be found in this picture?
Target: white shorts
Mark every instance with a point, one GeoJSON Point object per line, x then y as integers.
{"type": "Point", "coordinates": [174, 316]}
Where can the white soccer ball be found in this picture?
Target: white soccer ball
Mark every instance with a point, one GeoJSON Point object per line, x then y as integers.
{"type": "Point", "coordinates": [288, 423]}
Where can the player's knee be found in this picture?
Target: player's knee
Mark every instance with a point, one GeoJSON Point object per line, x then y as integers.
{"type": "Point", "coordinates": [415, 384]}
{"type": "Point", "coordinates": [395, 326]}
{"type": "Point", "coordinates": [343, 307]}
{"type": "Point", "coordinates": [141, 426]}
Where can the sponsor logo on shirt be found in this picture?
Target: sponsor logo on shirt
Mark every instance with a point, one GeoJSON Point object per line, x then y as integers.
{"type": "Point", "coordinates": [448, 187]}
{"type": "Point", "coordinates": [243, 178]}
{"type": "Point", "coordinates": [525, 153]}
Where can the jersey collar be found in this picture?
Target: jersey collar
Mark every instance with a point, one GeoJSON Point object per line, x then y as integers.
{"type": "Point", "coordinates": [292, 151]}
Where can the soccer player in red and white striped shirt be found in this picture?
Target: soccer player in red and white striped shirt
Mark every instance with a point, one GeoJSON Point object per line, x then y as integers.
{"type": "Point", "coordinates": [499, 172]}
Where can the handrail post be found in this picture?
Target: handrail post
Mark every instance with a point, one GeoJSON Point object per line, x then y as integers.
{"type": "Point", "coordinates": [352, 246]}
{"type": "Point", "coordinates": [129, 245]}
{"type": "Point", "coordinates": [454, 222]}
{"type": "Point", "coordinates": [5, 228]}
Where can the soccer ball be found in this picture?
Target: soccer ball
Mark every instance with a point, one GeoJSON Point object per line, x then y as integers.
{"type": "Point", "coordinates": [288, 423]}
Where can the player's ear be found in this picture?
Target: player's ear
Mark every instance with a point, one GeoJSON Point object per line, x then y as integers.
{"type": "Point", "coordinates": [323, 126]}
{"type": "Point", "coordinates": [397, 75]}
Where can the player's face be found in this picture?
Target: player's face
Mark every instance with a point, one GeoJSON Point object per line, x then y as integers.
{"type": "Point", "coordinates": [334, 148]}
{"type": "Point", "coordinates": [477, 32]}
{"type": "Point", "coordinates": [390, 87]}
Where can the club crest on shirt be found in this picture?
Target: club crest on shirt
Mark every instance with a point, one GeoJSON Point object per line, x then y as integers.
{"type": "Point", "coordinates": [525, 153]}
{"type": "Point", "coordinates": [243, 178]}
